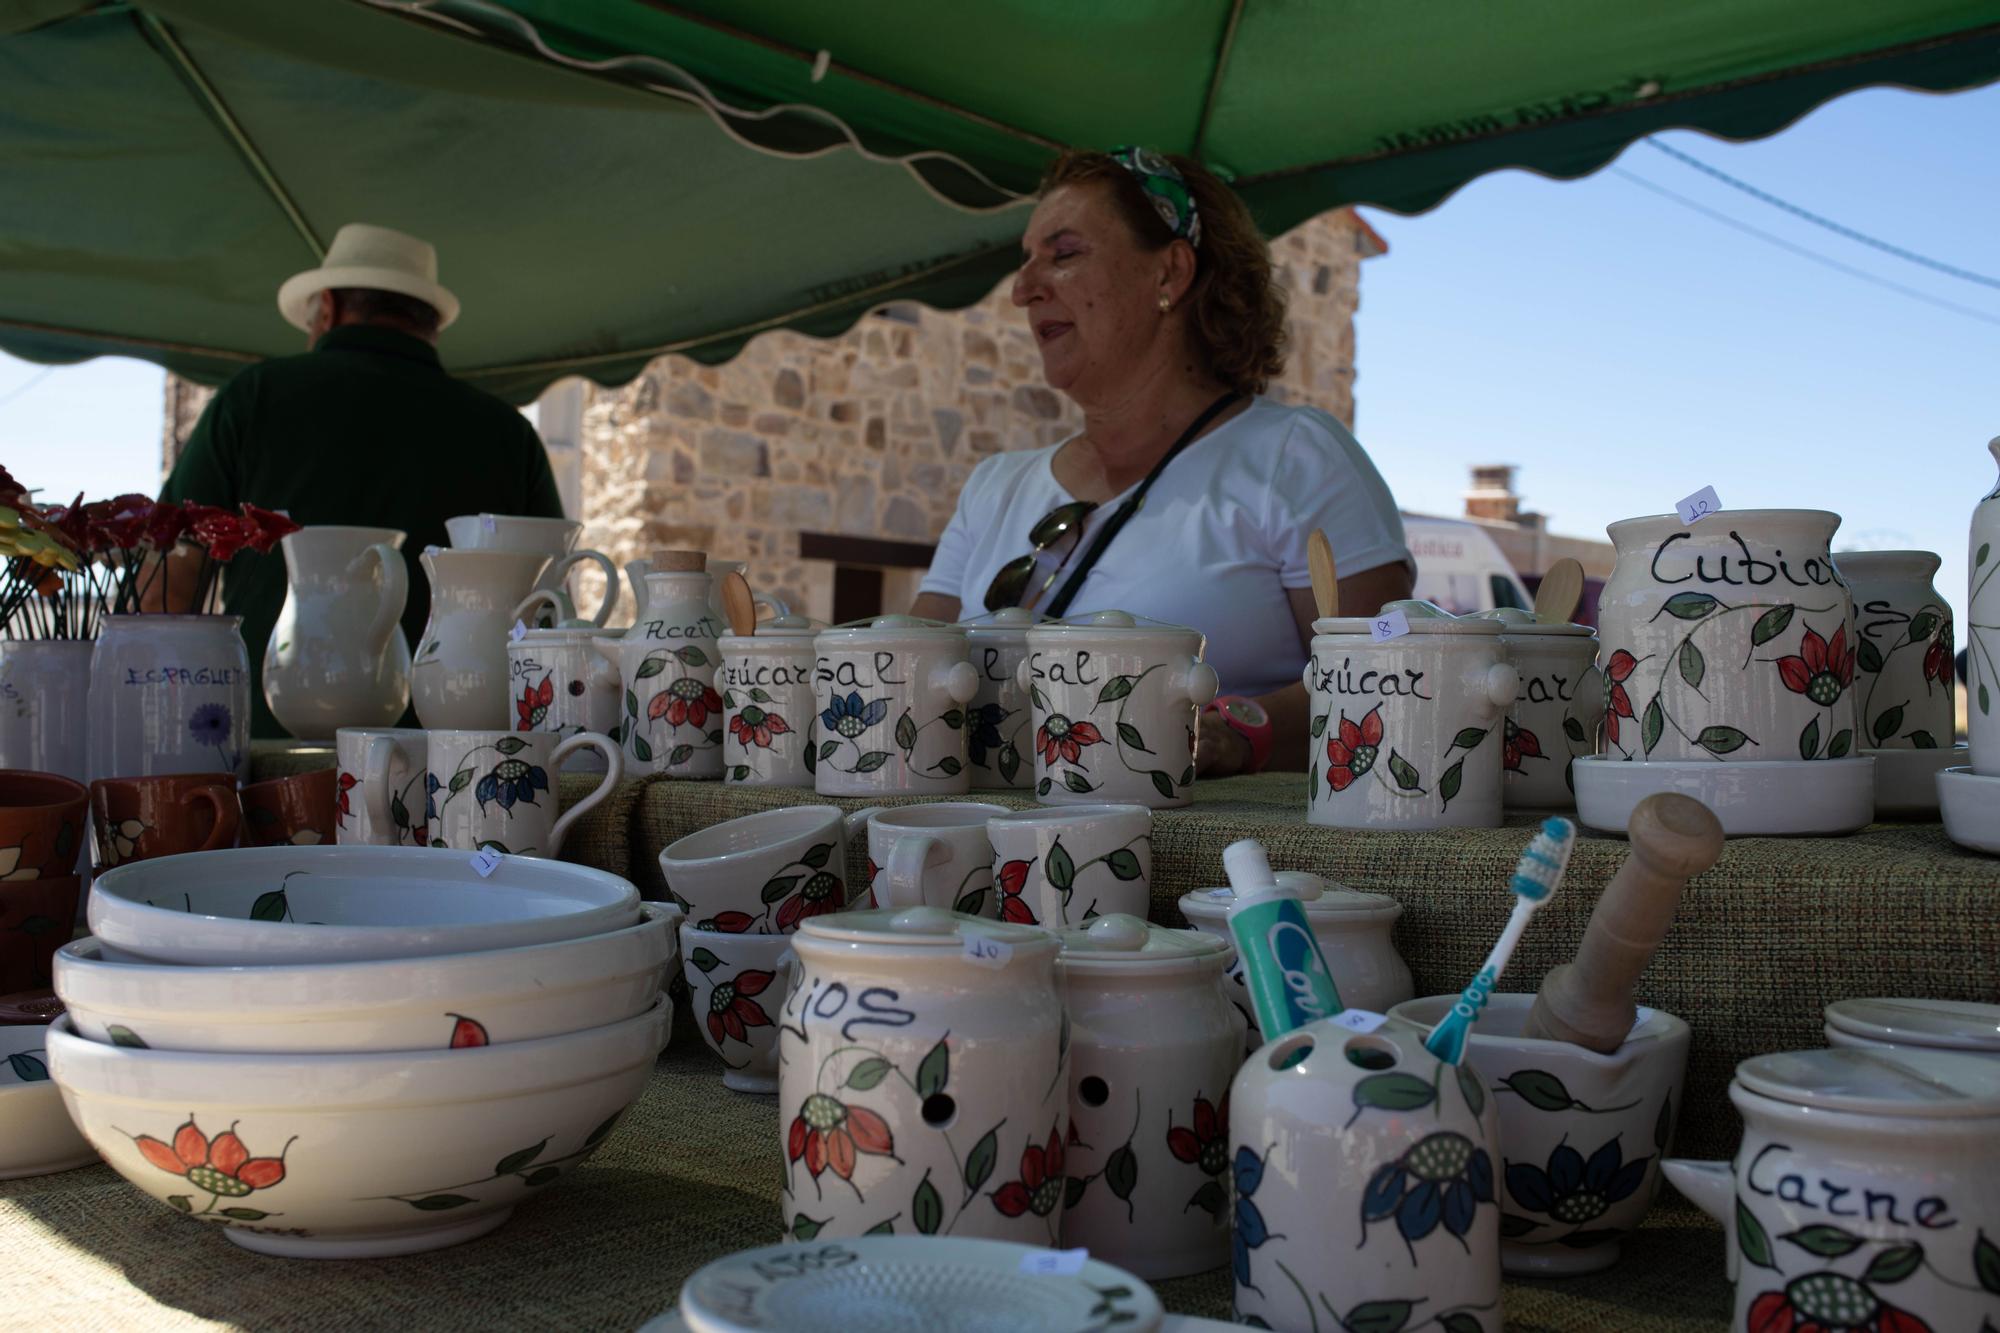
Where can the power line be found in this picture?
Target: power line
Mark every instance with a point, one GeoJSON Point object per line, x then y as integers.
{"type": "Point", "coordinates": [1802, 251]}
{"type": "Point", "coordinates": [30, 383]}
{"type": "Point", "coordinates": [1860, 237]}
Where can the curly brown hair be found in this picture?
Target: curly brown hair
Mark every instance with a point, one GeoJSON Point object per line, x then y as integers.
{"type": "Point", "coordinates": [1236, 308]}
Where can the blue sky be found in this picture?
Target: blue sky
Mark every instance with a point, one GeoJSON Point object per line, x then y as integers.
{"type": "Point", "coordinates": [1623, 350]}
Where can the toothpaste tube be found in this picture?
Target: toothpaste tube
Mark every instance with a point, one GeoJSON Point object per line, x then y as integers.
{"type": "Point", "coordinates": [1289, 982]}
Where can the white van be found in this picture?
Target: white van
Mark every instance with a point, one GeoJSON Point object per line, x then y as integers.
{"type": "Point", "coordinates": [1459, 566]}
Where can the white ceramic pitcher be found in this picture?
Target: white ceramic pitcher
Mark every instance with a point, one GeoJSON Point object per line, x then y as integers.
{"type": "Point", "coordinates": [337, 657]}
{"type": "Point", "coordinates": [459, 675]}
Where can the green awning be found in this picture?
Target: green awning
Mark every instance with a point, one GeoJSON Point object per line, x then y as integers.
{"type": "Point", "coordinates": [607, 180]}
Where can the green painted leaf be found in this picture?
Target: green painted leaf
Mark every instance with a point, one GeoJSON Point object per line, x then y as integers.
{"type": "Point", "coordinates": [954, 719]}
{"type": "Point", "coordinates": [812, 757]}
{"type": "Point", "coordinates": [1124, 863]}
{"type": "Point", "coordinates": [926, 1208]}
{"type": "Point", "coordinates": [1809, 740]}
{"type": "Point", "coordinates": [1512, 1226]}
{"type": "Point", "coordinates": [1378, 1317]}
{"type": "Point", "coordinates": [886, 1227]}
{"type": "Point", "coordinates": [1663, 1126]}
{"type": "Point", "coordinates": [935, 1071]}
{"type": "Point", "coordinates": [1077, 782]}
{"type": "Point", "coordinates": [804, 1228]}
{"type": "Point", "coordinates": [648, 669]}
{"type": "Point", "coordinates": [871, 761]}
{"type": "Point", "coordinates": [691, 656]}
{"type": "Point", "coordinates": [1689, 605]}
{"type": "Point", "coordinates": [1693, 665]}
{"type": "Point", "coordinates": [1130, 735]}
{"type": "Point", "coordinates": [704, 960]}
{"type": "Point", "coordinates": [1983, 701]}
{"type": "Point", "coordinates": [972, 904]}
{"type": "Point", "coordinates": [1060, 869]}
{"type": "Point", "coordinates": [1468, 738]}
{"type": "Point", "coordinates": [641, 749]}
{"type": "Point", "coordinates": [1770, 625]}
{"type": "Point", "coordinates": [739, 773]}
{"type": "Point", "coordinates": [1211, 1198]}
{"type": "Point", "coordinates": [1114, 689]}
{"type": "Point", "coordinates": [1036, 697]}
{"type": "Point", "coordinates": [181, 1202]}
{"type": "Point", "coordinates": [826, 749]}
{"type": "Point", "coordinates": [1042, 787]}
{"type": "Point", "coordinates": [1319, 726]}
{"type": "Point", "coordinates": [1009, 762]}
{"type": "Point", "coordinates": [596, 1136]}
{"type": "Point", "coordinates": [1842, 742]}
{"type": "Point", "coordinates": [979, 1162]}
{"type": "Point", "coordinates": [1923, 740]}
{"type": "Point", "coordinates": [779, 889]}
{"type": "Point", "coordinates": [1121, 1172]}
{"type": "Point", "coordinates": [1922, 624]}
{"type": "Point", "coordinates": [1652, 724]}
{"type": "Point", "coordinates": [817, 855]}
{"type": "Point", "coordinates": [906, 731]}
{"type": "Point", "coordinates": [269, 906]}
{"type": "Point", "coordinates": [1458, 1321]}
{"type": "Point", "coordinates": [244, 1214]}
{"type": "Point", "coordinates": [1393, 1092]}
{"type": "Point", "coordinates": [1721, 740]}
{"type": "Point", "coordinates": [1187, 776]}
{"type": "Point", "coordinates": [1405, 774]}
{"type": "Point", "coordinates": [1895, 1264]}
{"type": "Point", "coordinates": [1470, 1088]}
{"type": "Point", "coordinates": [1752, 1239]}
{"type": "Point", "coordinates": [1828, 1242]}
{"type": "Point", "coordinates": [1073, 1189]}
{"type": "Point", "coordinates": [510, 745]}
{"type": "Point", "coordinates": [1448, 784]}
{"type": "Point", "coordinates": [1886, 722]}
{"type": "Point", "coordinates": [869, 1073]}
{"type": "Point", "coordinates": [1539, 1089]}
{"type": "Point", "coordinates": [1163, 784]}
{"type": "Point", "coordinates": [1985, 1254]}
{"type": "Point", "coordinates": [1574, 730]}
{"type": "Point", "coordinates": [1985, 549]}
{"type": "Point", "coordinates": [437, 1203]}
{"type": "Point", "coordinates": [124, 1036]}
{"type": "Point", "coordinates": [679, 755]}
{"type": "Point", "coordinates": [1867, 656]}
{"type": "Point", "coordinates": [28, 1068]}
{"type": "Point", "coordinates": [543, 1175]}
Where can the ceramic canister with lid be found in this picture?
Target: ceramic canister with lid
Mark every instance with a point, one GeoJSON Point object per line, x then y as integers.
{"type": "Point", "coordinates": [1153, 1046]}
{"type": "Point", "coordinates": [999, 723]}
{"type": "Point", "coordinates": [1406, 730]}
{"type": "Point", "coordinates": [923, 1079]}
{"type": "Point", "coordinates": [1114, 699]}
{"type": "Point", "coordinates": [1355, 933]}
{"type": "Point", "coordinates": [1862, 1195]}
{"type": "Point", "coordinates": [560, 682]}
{"type": "Point", "coordinates": [890, 697]}
{"type": "Point", "coordinates": [1903, 1024]}
{"type": "Point", "coordinates": [1554, 717]}
{"type": "Point", "coordinates": [672, 718]}
{"type": "Point", "coordinates": [1905, 676]}
{"type": "Point", "coordinates": [1982, 632]}
{"type": "Point", "coordinates": [767, 701]}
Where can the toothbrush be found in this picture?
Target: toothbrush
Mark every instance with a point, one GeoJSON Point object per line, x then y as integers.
{"type": "Point", "coordinates": [1536, 878]}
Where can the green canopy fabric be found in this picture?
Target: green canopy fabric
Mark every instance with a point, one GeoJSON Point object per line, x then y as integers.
{"type": "Point", "coordinates": [607, 180]}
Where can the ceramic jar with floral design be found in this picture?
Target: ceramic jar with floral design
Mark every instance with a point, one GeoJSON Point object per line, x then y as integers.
{"type": "Point", "coordinates": [1407, 732]}
{"type": "Point", "coordinates": [458, 677]}
{"type": "Point", "coordinates": [923, 1071]}
{"type": "Point", "coordinates": [766, 681]}
{"type": "Point", "coordinates": [672, 715]}
{"type": "Point", "coordinates": [1905, 675]}
{"type": "Point", "coordinates": [1365, 1186]}
{"type": "Point", "coordinates": [560, 683]}
{"type": "Point", "coordinates": [890, 696]}
{"type": "Point", "coordinates": [1554, 717]}
{"type": "Point", "coordinates": [998, 722]}
{"type": "Point", "coordinates": [170, 694]}
{"type": "Point", "coordinates": [44, 705]}
{"type": "Point", "coordinates": [1153, 1046]}
{"type": "Point", "coordinates": [1982, 638]}
{"type": "Point", "coordinates": [1115, 698]}
{"type": "Point", "coordinates": [1862, 1196]}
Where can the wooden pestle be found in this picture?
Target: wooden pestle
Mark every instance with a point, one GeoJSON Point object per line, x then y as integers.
{"type": "Point", "coordinates": [1589, 1001]}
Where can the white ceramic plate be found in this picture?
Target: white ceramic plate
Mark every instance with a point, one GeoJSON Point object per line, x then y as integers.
{"type": "Point", "coordinates": [36, 1133]}
{"type": "Point", "coordinates": [1780, 797]}
{"type": "Point", "coordinates": [1970, 803]}
{"type": "Point", "coordinates": [910, 1284]}
{"type": "Point", "coordinates": [1906, 780]}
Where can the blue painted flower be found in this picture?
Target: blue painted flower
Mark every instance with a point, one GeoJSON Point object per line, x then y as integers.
{"type": "Point", "coordinates": [1443, 1177]}
{"type": "Point", "coordinates": [1572, 1190]}
{"type": "Point", "coordinates": [850, 717]}
{"type": "Point", "coordinates": [1249, 1231]}
{"type": "Point", "coordinates": [982, 730]}
{"type": "Point", "coordinates": [511, 781]}
{"type": "Point", "coordinates": [431, 785]}
{"type": "Point", "coordinates": [210, 725]}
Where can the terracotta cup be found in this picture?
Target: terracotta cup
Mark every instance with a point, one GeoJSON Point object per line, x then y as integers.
{"type": "Point", "coordinates": [136, 819]}
{"type": "Point", "coordinates": [297, 810]}
{"type": "Point", "coordinates": [41, 825]}
{"type": "Point", "coordinates": [36, 919]}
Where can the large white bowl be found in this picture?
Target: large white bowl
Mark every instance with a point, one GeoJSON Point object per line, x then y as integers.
{"type": "Point", "coordinates": [261, 905]}
{"type": "Point", "coordinates": [355, 1156]}
{"type": "Point", "coordinates": [398, 1004]}
{"type": "Point", "coordinates": [36, 1133]}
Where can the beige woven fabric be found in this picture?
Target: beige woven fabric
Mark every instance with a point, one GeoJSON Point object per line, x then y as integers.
{"type": "Point", "coordinates": [690, 1175]}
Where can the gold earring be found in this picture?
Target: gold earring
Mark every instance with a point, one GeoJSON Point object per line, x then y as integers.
{"type": "Point", "coordinates": [1166, 303]}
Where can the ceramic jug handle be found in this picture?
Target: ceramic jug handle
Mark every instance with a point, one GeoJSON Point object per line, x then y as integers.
{"type": "Point", "coordinates": [228, 814]}
{"type": "Point", "coordinates": [1589, 699]}
{"type": "Point", "coordinates": [1500, 685]}
{"type": "Point", "coordinates": [775, 605]}
{"type": "Point", "coordinates": [903, 877]}
{"type": "Point", "coordinates": [614, 773]}
{"type": "Point", "coordinates": [1201, 682]}
{"type": "Point", "coordinates": [603, 562]}
{"type": "Point", "coordinates": [395, 593]}
{"type": "Point", "coordinates": [530, 608]}
{"type": "Point", "coordinates": [960, 682]}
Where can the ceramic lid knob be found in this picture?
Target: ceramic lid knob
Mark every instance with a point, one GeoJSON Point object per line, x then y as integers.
{"type": "Point", "coordinates": [1013, 615]}
{"type": "Point", "coordinates": [1108, 619]}
{"type": "Point", "coordinates": [1304, 883]}
{"type": "Point", "coordinates": [923, 921]}
{"type": "Point", "coordinates": [1416, 608]}
{"type": "Point", "coordinates": [1120, 931]}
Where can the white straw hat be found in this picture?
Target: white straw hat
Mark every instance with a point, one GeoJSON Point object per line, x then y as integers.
{"type": "Point", "coordinates": [377, 258]}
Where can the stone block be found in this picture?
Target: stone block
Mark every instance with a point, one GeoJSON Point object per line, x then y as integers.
{"type": "Point", "coordinates": [735, 414]}
{"type": "Point", "coordinates": [984, 441]}
{"type": "Point", "coordinates": [978, 347]}
{"type": "Point", "coordinates": [948, 423]}
{"type": "Point", "coordinates": [877, 434]}
{"type": "Point", "coordinates": [772, 423]}
{"type": "Point", "coordinates": [855, 511]}
{"type": "Point", "coordinates": [788, 389]}
{"type": "Point", "coordinates": [846, 412]}
{"type": "Point", "coordinates": [686, 398]}
{"type": "Point", "coordinates": [928, 478]}
{"type": "Point", "coordinates": [903, 518]}
{"type": "Point", "coordinates": [733, 453]}
{"type": "Point", "coordinates": [657, 534]}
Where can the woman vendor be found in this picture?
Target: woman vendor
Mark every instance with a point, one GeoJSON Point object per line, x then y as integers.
{"type": "Point", "coordinates": [1151, 296]}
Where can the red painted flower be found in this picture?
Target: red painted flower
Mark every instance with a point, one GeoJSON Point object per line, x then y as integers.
{"type": "Point", "coordinates": [1617, 703]}
{"type": "Point", "coordinates": [1040, 1187]}
{"type": "Point", "coordinates": [1518, 744]}
{"type": "Point", "coordinates": [821, 893]}
{"type": "Point", "coordinates": [1207, 1144]}
{"type": "Point", "coordinates": [753, 726]}
{"type": "Point", "coordinates": [466, 1032]}
{"type": "Point", "coordinates": [827, 1133]}
{"type": "Point", "coordinates": [732, 1011]}
{"type": "Point", "coordinates": [1013, 907]}
{"type": "Point", "coordinates": [222, 1166]}
{"type": "Point", "coordinates": [1821, 670]}
{"type": "Point", "coordinates": [533, 705]}
{"type": "Point", "coordinates": [1937, 657]}
{"type": "Point", "coordinates": [1828, 1303]}
{"type": "Point", "coordinates": [1060, 738]}
{"type": "Point", "coordinates": [687, 701]}
{"type": "Point", "coordinates": [1353, 749]}
{"type": "Point", "coordinates": [343, 808]}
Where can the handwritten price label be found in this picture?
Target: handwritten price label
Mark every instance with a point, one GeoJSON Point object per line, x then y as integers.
{"type": "Point", "coordinates": [986, 951]}
{"type": "Point", "coordinates": [519, 632]}
{"type": "Point", "coordinates": [486, 521]}
{"type": "Point", "coordinates": [485, 861]}
{"type": "Point", "coordinates": [1359, 1020]}
{"type": "Point", "coordinates": [1699, 505]}
{"type": "Point", "coordinates": [432, 549]}
{"type": "Point", "coordinates": [1389, 625]}
{"type": "Point", "coordinates": [1055, 1263]}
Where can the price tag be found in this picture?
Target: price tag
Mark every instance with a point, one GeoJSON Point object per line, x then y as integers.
{"type": "Point", "coordinates": [1055, 1263]}
{"type": "Point", "coordinates": [432, 549]}
{"type": "Point", "coordinates": [1703, 502]}
{"type": "Point", "coordinates": [485, 861]}
{"type": "Point", "coordinates": [987, 951]}
{"type": "Point", "coordinates": [518, 633]}
{"type": "Point", "coordinates": [486, 521]}
{"type": "Point", "coordinates": [1645, 1017]}
{"type": "Point", "coordinates": [1359, 1020]}
{"type": "Point", "coordinates": [1389, 625]}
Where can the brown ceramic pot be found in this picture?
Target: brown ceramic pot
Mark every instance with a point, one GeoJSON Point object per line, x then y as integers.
{"type": "Point", "coordinates": [37, 917]}
{"type": "Point", "coordinates": [137, 819]}
{"type": "Point", "coordinates": [41, 824]}
{"type": "Point", "coordinates": [297, 810]}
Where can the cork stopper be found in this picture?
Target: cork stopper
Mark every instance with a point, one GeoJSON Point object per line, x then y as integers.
{"type": "Point", "coordinates": [679, 562]}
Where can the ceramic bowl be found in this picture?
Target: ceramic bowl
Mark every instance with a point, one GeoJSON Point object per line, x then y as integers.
{"type": "Point", "coordinates": [766, 872]}
{"type": "Point", "coordinates": [360, 1155]}
{"type": "Point", "coordinates": [737, 984]}
{"type": "Point", "coordinates": [37, 1136]}
{"type": "Point", "coordinates": [256, 906]}
{"type": "Point", "coordinates": [1582, 1134]}
{"type": "Point", "coordinates": [408, 1004]}
{"type": "Point", "coordinates": [1894, 1024]}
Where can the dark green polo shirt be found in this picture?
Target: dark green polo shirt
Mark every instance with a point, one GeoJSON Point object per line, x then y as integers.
{"type": "Point", "coordinates": [368, 429]}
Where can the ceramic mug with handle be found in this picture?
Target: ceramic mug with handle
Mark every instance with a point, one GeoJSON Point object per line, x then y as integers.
{"type": "Point", "coordinates": [763, 874]}
{"type": "Point", "coordinates": [379, 797]}
{"type": "Point", "coordinates": [936, 854]}
{"type": "Point", "coordinates": [495, 789]}
{"type": "Point", "coordinates": [136, 819]}
{"type": "Point", "coordinates": [1065, 866]}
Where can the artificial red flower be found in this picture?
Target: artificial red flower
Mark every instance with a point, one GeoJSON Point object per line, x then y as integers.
{"type": "Point", "coordinates": [222, 1166]}
{"type": "Point", "coordinates": [1518, 743]}
{"type": "Point", "coordinates": [11, 491]}
{"type": "Point", "coordinates": [831, 1133]}
{"type": "Point", "coordinates": [1040, 1187]}
{"type": "Point", "coordinates": [1013, 907]}
{"type": "Point", "coordinates": [732, 1011]}
{"type": "Point", "coordinates": [533, 705]}
{"type": "Point", "coordinates": [1352, 750]}
{"type": "Point", "coordinates": [1617, 703]}
{"type": "Point", "coordinates": [687, 701]}
{"type": "Point", "coordinates": [1828, 1302]}
{"type": "Point", "coordinates": [268, 528]}
{"type": "Point", "coordinates": [1820, 670]}
{"type": "Point", "coordinates": [164, 524]}
{"type": "Point", "coordinates": [1060, 738]}
{"type": "Point", "coordinates": [753, 726]}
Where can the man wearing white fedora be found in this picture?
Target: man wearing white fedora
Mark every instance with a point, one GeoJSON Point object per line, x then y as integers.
{"type": "Point", "coordinates": [366, 428]}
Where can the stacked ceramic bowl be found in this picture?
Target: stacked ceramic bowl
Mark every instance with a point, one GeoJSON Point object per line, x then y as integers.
{"type": "Point", "coordinates": [357, 1051]}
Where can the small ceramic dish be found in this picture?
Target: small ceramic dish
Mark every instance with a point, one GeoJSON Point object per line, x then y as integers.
{"type": "Point", "coordinates": [910, 1282]}
{"type": "Point", "coordinates": [1970, 804]}
{"type": "Point", "coordinates": [405, 1004]}
{"type": "Point", "coordinates": [1899, 1024]}
{"type": "Point", "coordinates": [1763, 797]}
{"type": "Point", "coordinates": [256, 906]}
{"type": "Point", "coordinates": [37, 1136]}
{"type": "Point", "coordinates": [355, 1156]}
{"type": "Point", "coordinates": [1906, 780]}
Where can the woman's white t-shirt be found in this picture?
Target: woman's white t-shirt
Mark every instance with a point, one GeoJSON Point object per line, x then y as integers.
{"type": "Point", "coordinates": [1220, 537]}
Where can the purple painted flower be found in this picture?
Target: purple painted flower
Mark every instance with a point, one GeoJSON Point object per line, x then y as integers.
{"type": "Point", "coordinates": [210, 725]}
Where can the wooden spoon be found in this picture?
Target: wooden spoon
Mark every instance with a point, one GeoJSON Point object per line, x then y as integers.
{"type": "Point", "coordinates": [1561, 589]}
{"type": "Point", "coordinates": [737, 603]}
{"type": "Point", "coordinates": [1325, 578]}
